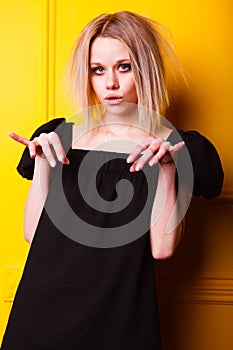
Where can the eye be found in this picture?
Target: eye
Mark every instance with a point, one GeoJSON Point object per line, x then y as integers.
{"type": "Point", "coordinates": [125, 67]}
{"type": "Point", "coordinates": [97, 70]}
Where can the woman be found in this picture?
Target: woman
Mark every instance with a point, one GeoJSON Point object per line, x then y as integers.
{"type": "Point", "coordinates": [89, 282]}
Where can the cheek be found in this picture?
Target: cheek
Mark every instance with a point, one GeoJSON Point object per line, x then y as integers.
{"type": "Point", "coordinates": [132, 88]}
{"type": "Point", "coordinates": [131, 84]}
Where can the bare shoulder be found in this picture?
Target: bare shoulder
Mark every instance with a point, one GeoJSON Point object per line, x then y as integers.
{"type": "Point", "coordinates": [87, 138]}
{"type": "Point", "coordinates": [164, 132]}
{"type": "Point", "coordinates": [78, 135]}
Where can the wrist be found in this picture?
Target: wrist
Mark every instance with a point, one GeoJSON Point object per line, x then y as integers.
{"type": "Point", "coordinates": [168, 174]}
{"type": "Point", "coordinates": [168, 167]}
{"type": "Point", "coordinates": [42, 166]}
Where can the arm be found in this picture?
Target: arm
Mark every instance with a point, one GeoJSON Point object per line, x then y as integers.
{"type": "Point", "coordinates": [45, 158]}
{"type": "Point", "coordinates": [165, 212]}
{"type": "Point", "coordinates": [36, 197]}
{"type": "Point", "coordinates": [165, 215]}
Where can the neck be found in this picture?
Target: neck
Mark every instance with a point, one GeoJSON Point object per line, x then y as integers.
{"type": "Point", "coordinates": [121, 123]}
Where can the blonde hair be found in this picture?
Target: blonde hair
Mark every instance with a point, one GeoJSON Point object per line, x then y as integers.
{"type": "Point", "coordinates": [149, 52]}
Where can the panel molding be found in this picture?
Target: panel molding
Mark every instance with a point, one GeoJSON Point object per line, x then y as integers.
{"type": "Point", "coordinates": [198, 288]}
{"type": "Point", "coordinates": [49, 58]}
{"type": "Point", "coordinates": [225, 197]}
{"type": "Point", "coordinates": [11, 278]}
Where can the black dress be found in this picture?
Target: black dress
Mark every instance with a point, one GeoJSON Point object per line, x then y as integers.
{"type": "Point", "coordinates": [79, 296]}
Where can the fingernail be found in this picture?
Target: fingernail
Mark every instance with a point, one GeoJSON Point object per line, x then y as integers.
{"type": "Point", "coordinates": [131, 169]}
{"type": "Point", "coordinates": [151, 162]}
{"type": "Point", "coordinates": [128, 160]}
{"type": "Point", "coordinates": [66, 161]}
{"type": "Point", "coordinates": [138, 167]}
{"type": "Point", "coordinates": [52, 163]}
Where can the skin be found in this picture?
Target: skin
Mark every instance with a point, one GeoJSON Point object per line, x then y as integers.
{"type": "Point", "coordinates": [113, 83]}
{"type": "Point", "coordinates": [111, 72]}
{"type": "Point", "coordinates": [111, 75]}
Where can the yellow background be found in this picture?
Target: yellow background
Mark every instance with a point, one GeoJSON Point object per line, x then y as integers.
{"type": "Point", "coordinates": [36, 36]}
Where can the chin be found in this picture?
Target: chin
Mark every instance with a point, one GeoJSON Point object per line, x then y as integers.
{"type": "Point", "coordinates": [120, 109]}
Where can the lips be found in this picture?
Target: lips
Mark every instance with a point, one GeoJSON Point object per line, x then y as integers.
{"type": "Point", "coordinates": [113, 99]}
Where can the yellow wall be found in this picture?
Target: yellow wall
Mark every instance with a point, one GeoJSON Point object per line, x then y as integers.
{"type": "Point", "coordinates": [195, 287]}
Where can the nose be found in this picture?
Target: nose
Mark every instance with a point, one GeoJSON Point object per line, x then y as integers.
{"type": "Point", "coordinates": [112, 81]}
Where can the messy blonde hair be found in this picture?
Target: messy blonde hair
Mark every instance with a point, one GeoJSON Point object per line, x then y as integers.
{"type": "Point", "coordinates": [148, 51]}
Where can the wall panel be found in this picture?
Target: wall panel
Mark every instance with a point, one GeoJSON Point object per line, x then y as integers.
{"type": "Point", "coordinates": [23, 107]}
{"type": "Point", "coordinates": [195, 286]}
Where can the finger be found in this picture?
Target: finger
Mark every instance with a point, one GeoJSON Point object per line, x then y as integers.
{"type": "Point", "coordinates": [138, 149]}
{"type": "Point", "coordinates": [148, 154]}
{"type": "Point", "coordinates": [170, 150]}
{"type": "Point", "coordinates": [139, 164]}
{"type": "Point", "coordinates": [177, 147]}
{"type": "Point", "coordinates": [58, 148]}
{"type": "Point", "coordinates": [152, 147]}
{"type": "Point", "coordinates": [18, 138]}
{"type": "Point", "coordinates": [164, 148]}
{"type": "Point", "coordinates": [44, 142]}
{"type": "Point", "coordinates": [32, 146]}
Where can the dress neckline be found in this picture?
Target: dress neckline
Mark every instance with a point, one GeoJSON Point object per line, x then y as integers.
{"type": "Point", "coordinates": [107, 151]}
{"type": "Point", "coordinates": [85, 150]}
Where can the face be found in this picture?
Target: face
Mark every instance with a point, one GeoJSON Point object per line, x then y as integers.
{"type": "Point", "coordinates": [112, 78]}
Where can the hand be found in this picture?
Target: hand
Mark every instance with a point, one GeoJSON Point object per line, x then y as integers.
{"type": "Point", "coordinates": [156, 150]}
{"type": "Point", "coordinates": [41, 146]}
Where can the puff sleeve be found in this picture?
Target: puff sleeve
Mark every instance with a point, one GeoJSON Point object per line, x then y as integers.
{"type": "Point", "coordinates": [207, 168]}
{"type": "Point", "coordinates": [26, 164]}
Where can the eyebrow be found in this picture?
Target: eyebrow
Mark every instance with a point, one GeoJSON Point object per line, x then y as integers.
{"type": "Point", "coordinates": [117, 62]}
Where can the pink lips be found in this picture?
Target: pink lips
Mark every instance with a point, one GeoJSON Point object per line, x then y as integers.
{"type": "Point", "coordinates": [113, 99]}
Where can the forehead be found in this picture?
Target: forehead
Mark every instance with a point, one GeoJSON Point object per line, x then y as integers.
{"type": "Point", "coordinates": [108, 49]}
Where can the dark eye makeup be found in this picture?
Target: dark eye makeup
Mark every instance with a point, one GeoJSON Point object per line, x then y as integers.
{"type": "Point", "coordinates": [123, 67]}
